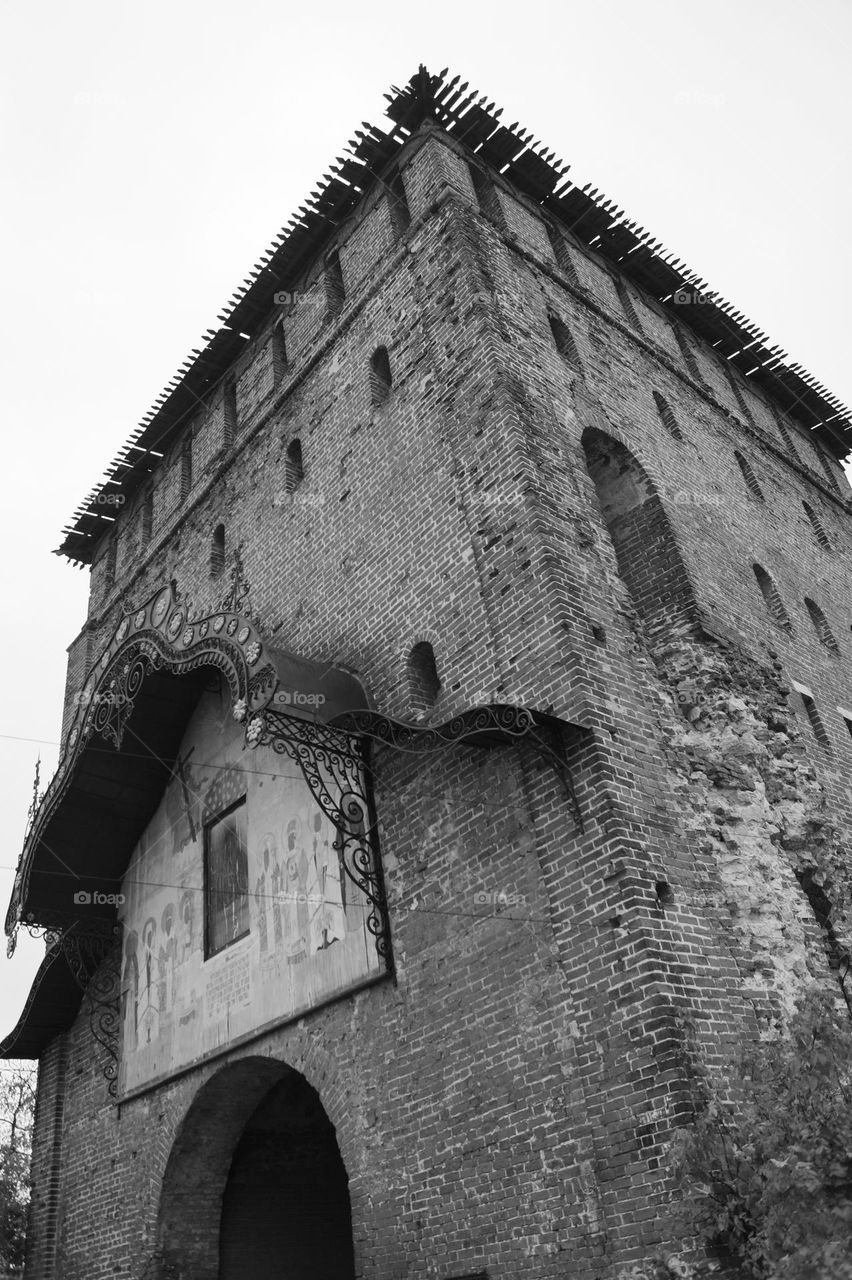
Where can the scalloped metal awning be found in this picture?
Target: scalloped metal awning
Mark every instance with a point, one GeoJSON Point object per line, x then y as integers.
{"type": "Point", "coordinates": [470, 119]}
{"type": "Point", "coordinates": [121, 750]}
{"type": "Point", "coordinates": [121, 746]}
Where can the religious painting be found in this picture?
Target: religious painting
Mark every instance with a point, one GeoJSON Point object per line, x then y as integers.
{"type": "Point", "coordinates": [239, 912]}
{"type": "Point", "coordinates": [226, 896]}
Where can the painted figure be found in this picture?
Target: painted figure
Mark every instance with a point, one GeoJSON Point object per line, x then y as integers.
{"type": "Point", "coordinates": [149, 1018]}
{"type": "Point", "coordinates": [130, 992]}
{"type": "Point", "coordinates": [166, 960]}
{"type": "Point", "coordinates": [187, 919]}
{"type": "Point", "coordinates": [295, 907]}
{"type": "Point", "coordinates": [325, 888]}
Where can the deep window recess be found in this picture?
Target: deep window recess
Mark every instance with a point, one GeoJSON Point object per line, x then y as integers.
{"type": "Point", "coordinates": [400, 214]}
{"type": "Point", "coordinates": [563, 339]}
{"type": "Point", "coordinates": [186, 470]}
{"type": "Point", "coordinates": [626, 300]}
{"type": "Point", "coordinates": [667, 417]}
{"type": "Point", "coordinates": [294, 471]}
{"type": "Point", "coordinates": [335, 290]}
{"type": "Point", "coordinates": [819, 729]}
{"type": "Point", "coordinates": [817, 526]}
{"type": "Point", "coordinates": [772, 596]}
{"type": "Point", "coordinates": [487, 198]}
{"type": "Point", "coordinates": [217, 551]}
{"type": "Point", "coordinates": [147, 518]}
{"type": "Point", "coordinates": [381, 379]}
{"type": "Point", "coordinates": [111, 557]}
{"type": "Point", "coordinates": [229, 414]}
{"type": "Point", "coordinates": [423, 678]}
{"type": "Point", "coordinates": [823, 630]}
{"type": "Point", "coordinates": [279, 354]}
{"type": "Point", "coordinates": [748, 475]}
{"type": "Point", "coordinates": [785, 435]}
{"type": "Point", "coordinates": [562, 254]}
{"type": "Point", "coordinates": [687, 352]}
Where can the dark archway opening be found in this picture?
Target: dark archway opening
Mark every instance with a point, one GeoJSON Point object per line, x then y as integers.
{"type": "Point", "coordinates": [285, 1211]}
{"type": "Point", "coordinates": [255, 1184]}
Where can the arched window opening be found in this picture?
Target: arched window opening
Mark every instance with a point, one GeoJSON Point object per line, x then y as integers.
{"type": "Point", "coordinates": [667, 417]}
{"type": "Point", "coordinates": [687, 352]}
{"type": "Point", "coordinates": [229, 414]}
{"type": "Point", "coordinates": [400, 214]}
{"type": "Point", "coordinates": [486, 196]}
{"type": "Point", "coordinates": [186, 470]}
{"type": "Point", "coordinates": [294, 471]}
{"type": "Point", "coordinates": [827, 465]}
{"type": "Point", "coordinates": [423, 679]}
{"type": "Point", "coordinates": [564, 342]}
{"type": "Point", "coordinates": [111, 560]}
{"type": "Point", "coordinates": [748, 475]}
{"type": "Point", "coordinates": [738, 395]}
{"type": "Point", "coordinates": [147, 519]}
{"type": "Point", "coordinates": [647, 554]}
{"type": "Point", "coordinates": [817, 526]}
{"type": "Point", "coordinates": [217, 551]}
{"type": "Point", "coordinates": [279, 354]}
{"type": "Point", "coordinates": [562, 254]}
{"type": "Point", "coordinates": [814, 718]}
{"type": "Point", "coordinates": [784, 432]}
{"type": "Point", "coordinates": [381, 379]}
{"type": "Point", "coordinates": [626, 300]}
{"type": "Point", "coordinates": [823, 630]}
{"type": "Point", "coordinates": [772, 596]}
{"type": "Point", "coordinates": [335, 290]}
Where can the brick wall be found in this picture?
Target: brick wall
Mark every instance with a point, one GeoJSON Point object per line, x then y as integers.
{"type": "Point", "coordinates": [508, 1102]}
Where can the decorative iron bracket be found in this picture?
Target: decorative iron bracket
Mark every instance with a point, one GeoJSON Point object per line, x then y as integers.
{"type": "Point", "coordinates": [481, 726]}
{"type": "Point", "coordinates": [334, 762]}
{"type": "Point", "coordinates": [335, 767]}
{"type": "Point", "coordinates": [93, 957]}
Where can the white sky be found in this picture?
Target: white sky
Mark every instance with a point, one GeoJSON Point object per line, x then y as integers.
{"type": "Point", "coordinates": [150, 152]}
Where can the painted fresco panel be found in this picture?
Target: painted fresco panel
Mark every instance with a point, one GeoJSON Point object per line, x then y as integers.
{"type": "Point", "coordinates": [186, 994]}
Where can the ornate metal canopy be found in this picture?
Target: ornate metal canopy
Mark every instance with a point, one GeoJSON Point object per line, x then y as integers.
{"type": "Point", "coordinates": [121, 750]}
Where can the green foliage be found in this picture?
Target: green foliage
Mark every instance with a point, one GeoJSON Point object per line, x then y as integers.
{"type": "Point", "coordinates": [768, 1174]}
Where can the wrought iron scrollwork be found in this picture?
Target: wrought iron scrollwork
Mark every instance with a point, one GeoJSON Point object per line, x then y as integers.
{"type": "Point", "coordinates": [92, 954]}
{"type": "Point", "coordinates": [163, 634]}
{"type": "Point", "coordinates": [478, 726]}
{"type": "Point", "coordinates": [498, 719]}
{"type": "Point", "coordinates": [103, 997]}
{"type": "Point", "coordinates": [335, 767]}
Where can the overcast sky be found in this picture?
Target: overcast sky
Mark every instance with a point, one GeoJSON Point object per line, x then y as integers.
{"type": "Point", "coordinates": [151, 152]}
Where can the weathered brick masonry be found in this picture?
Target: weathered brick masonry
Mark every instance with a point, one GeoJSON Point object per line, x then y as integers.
{"type": "Point", "coordinates": [550, 496]}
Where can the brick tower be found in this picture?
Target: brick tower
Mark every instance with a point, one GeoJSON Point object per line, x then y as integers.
{"type": "Point", "coordinates": [456, 750]}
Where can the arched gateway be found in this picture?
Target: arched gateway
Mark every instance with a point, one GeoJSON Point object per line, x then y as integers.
{"type": "Point", "coordinates": [255, 1184]}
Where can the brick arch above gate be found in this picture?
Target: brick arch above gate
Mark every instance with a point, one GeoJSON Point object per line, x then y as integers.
{"type": "Point", "coordinates": [206, 1139]}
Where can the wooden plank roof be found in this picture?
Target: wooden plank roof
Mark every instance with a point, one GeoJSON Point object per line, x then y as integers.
{"type": "Point", "coordinates": [473, 121]}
